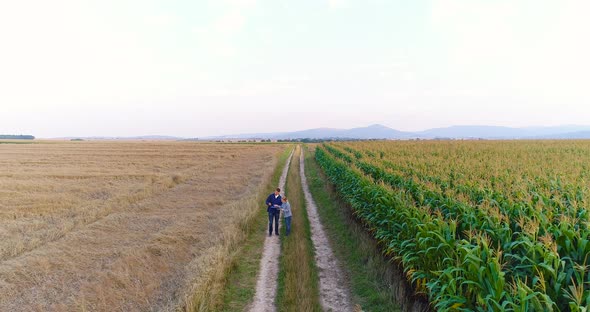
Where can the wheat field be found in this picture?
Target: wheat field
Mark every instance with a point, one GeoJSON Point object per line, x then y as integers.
{"type": "Point", "coordinates": [120, 226]}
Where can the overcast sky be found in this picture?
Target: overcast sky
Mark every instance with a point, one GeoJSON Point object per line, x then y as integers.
{"type": "Point", "coordinates": [209, 67]}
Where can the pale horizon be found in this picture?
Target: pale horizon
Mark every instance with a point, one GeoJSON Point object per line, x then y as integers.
{"type": "Point", "coordinates": [223, 67]}
{"type": "Point", "coordinates": [295, 130]}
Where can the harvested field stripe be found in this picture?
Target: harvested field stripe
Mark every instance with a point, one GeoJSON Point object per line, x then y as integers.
{"type": "Point", "coordinates": [333, 291]}
{"type": "Point", "coordinates": [266, 285]}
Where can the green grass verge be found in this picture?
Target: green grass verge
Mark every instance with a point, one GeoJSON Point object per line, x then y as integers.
{"type": "Point", "coordinates": [241, 283]}
{"type": "Point", "coordinates": [298, 284]}
{"type": "Point", "coordinates": [369, 272]}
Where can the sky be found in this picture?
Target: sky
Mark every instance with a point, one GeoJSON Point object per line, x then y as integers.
{"type": "Point", "coordinates": [196, 68]}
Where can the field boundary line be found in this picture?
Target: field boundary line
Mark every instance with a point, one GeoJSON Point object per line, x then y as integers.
{"type": "Point", "coordinates": [267, 280]}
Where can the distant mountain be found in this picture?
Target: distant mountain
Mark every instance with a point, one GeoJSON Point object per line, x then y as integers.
{"type": "Point", "coordinates": [485, 132]}
{"type": "Point", "coordinates": [370, 132]}
{"type": "Point", "coordinates": [377, 132]}
{"type": "Point", "coordinates": [567, 136]}
{"type": "Point", "coordinates": [453, 132]}
{"type": "Point", "coordinates": [318, 133]}
{"type": "Point", "coordinates": [383, 132]}
{"type": "Point", "coordinates": [311, 133]}
{"type": "Point", "coordinates": [496, 132]}
{"type": "Point", "coordinates": [552, 131]}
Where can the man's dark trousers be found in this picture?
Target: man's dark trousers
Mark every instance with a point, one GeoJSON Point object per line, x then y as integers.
{"type": "Point", "coordinates": [273, 214]}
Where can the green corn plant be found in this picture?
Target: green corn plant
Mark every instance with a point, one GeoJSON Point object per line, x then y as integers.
{"type": "Point", "coordinates": [459, 233]}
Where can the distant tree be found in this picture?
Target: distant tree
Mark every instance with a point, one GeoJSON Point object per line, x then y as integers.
{"type": "Point", "coordinates": [16, 137]}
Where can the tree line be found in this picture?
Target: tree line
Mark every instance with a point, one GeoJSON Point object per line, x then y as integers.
{"type": "Point", "coordinates": [16, 137]}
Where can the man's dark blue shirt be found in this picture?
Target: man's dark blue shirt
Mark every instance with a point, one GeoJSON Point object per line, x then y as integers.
{"type": "Point", "coordinates": [273, 201]}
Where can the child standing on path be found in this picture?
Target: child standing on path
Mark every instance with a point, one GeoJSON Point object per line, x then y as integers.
{"type": "Point", "coordinates": [286, 208]}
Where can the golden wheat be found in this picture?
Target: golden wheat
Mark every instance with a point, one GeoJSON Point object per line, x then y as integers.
{"type": "Point", "coordinates": [103, 226]}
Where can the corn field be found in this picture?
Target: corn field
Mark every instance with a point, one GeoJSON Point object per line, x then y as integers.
{"type": "Point", "coordinates": [484, 226]}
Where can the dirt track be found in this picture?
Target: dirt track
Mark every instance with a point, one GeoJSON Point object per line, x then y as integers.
{"type": "Point", "coordinates": [266, 284]}
{"type": "Point", "coordinates": [334, 294]}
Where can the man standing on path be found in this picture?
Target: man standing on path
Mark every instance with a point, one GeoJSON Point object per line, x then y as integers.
{"type": "Point", "coordinates": [273, 203]}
